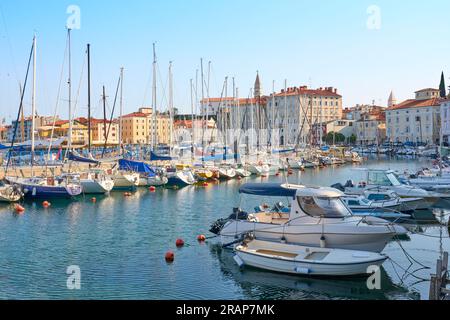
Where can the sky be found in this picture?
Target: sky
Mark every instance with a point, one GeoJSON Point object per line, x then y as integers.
{"type": "Point", "coordinates": [363, 48]}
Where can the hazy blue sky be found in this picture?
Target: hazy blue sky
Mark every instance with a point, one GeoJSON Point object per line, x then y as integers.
{"type": "Point", "coordinates": [318, 43]}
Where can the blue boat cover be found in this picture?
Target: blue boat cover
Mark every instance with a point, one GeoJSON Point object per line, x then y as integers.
{"type": "Point", "coordinates": [136, 166]}
{"type": "Point", "coordinates": [77, 158]}
{"type": "Point", "coordinates": [267, 189]}
{"type": "Point", "coordinates": [155, 157]}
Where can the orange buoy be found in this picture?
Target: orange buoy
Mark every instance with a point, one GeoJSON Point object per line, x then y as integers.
{"type": "Point", "coordinates": [201, 238]}
{"type": "Point", "coordinates": [46, 204]}
{"type": "Point", "coordinates": [170, 256]}
{"type": "Point", "coordinates": [19, 208]}
{"type": "Point", "coordinates": [152, 189]}
{"type": "Point", "coordinates": [94, 200]}
{"type": "Point", "coordinates": [179, 243]}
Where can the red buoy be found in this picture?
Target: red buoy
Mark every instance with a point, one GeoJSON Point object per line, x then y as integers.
{"type": "Point", "coordinates": [152, 189]}
{"type": "Point", "coordinates": [46, 204]}
{"type": "Point", "coordinates": [277, 174]}
{"type": "Point", "coordinates": [201, 238]}
{"type": "Point", "coordinates": [170, 256]}
{"type": "Point", "coordinates": [19, 208]}
{"type": "Point", "coordinates": [179, 243]}
{"type": "Point", "coordinates": [205, 184]}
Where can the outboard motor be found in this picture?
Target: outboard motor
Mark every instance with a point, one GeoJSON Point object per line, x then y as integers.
{"type": "Point", "coordinates": [349, 184]}
{"type": "Point", "coordinates": [217, 226]}
{"type": "Point", "coordinates": [338, 186]}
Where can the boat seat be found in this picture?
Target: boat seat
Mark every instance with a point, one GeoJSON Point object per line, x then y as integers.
{"type": "Point", "coordinates": [277, 253]}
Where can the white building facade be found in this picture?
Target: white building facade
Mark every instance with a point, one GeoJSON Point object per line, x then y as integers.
{"type": "Point", "coordinates": [416, 120]}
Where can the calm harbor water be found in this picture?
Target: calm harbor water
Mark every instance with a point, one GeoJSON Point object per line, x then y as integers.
{"type": "Point", "coordinates": [119, 244]}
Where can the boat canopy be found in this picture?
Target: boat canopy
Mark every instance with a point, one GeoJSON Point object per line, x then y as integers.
{"type": "Point", "coordinates": [73, 156]}
{"type": "Point", "coordinates": [155, 157]}
{"type": "Point", "coordinates": [268, 189]}
{"type": "Point", "coordinates": [135, 166]}
{"type": "Point", "coordinates": [288, 190]}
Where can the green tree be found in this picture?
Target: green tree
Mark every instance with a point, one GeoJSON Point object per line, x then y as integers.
{"type": "Point", "coordinates": [442, 89]}
{"type": "Point", "coordinates": [352, 139]}
{"type": "Point", "coordinates": [333, 137]}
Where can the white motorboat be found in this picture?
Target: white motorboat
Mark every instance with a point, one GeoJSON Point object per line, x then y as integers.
{"type": "Point", "coordinates": [181, 178]}
{"type": "Point", "coordinates": [294, 163]}
{"type": "Point", "coordinates": [387, 179]}
{"type": "Point", "coordinates": [10, 193]}
{"type": "Point", "coordinates": [96, 182]}
{"type": "Point", "coordinates": [384, 199]}
{"type": "Point", "coordinates": [303, 260]}
{"type": "Point", "coordinates": [124, 180]}
{"type": "Point", "coordinates": [241, 172]}
{"type": "Point", "coordinates": [316, 216]}
{"type": "Point", "coordinates": [152, 181]}
{"type": "Point", "coordinates": [256, 169]}
{"type": "Point", "coordinates": [226, 172]}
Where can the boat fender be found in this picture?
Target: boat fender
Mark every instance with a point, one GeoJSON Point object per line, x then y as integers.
{"type": "Point", "coordinates": [238, 261]}
{"type": "Point", "coordinates": [302, 270]}
{"type": "Point", "coordinates": [323, 242]}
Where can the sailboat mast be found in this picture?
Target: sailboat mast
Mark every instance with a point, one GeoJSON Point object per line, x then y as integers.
{"type": "Point", "coordinates": [89, 95]}
{"type": "Point", "coordinates": [154, 99]}
{"type": "Point", "coordinates": [205, 112]}
{"type": "Point", "coordinates": [69, 82]}
{"type": "Point", "coordinates": [286, 129]}
{"type": "Point", "coordinates": [193, 121]}
{"type": "Point", "coordinates": [104, 113]}
{"type": "Point", "coordinates": [121, 112]}
{"type": "Point", "coordinates": [33, 106]}
{"type": "Point", "coordinates": [171, 111]}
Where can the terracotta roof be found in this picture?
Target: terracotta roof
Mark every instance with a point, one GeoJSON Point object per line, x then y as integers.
{"type": "Point", "coordinates": [242, 101]}
{"type": "Point", "coordinates": [83, 120]}
{"type": "Point", "coordinates": [322, 92]}
{"type": "Point", "coordinates": [61, 123]}
{"type": "Point", "coordinates": [188, 124]}
{"type": "Point", "coordinates": [413, 103]}
{"type": "Point", "coordinates": [136, 115]}
{"type": "Point", "coordinates": [427, 89]}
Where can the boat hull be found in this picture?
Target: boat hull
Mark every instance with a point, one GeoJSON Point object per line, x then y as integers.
{"type": "Point", "coordinates": [311, 268]}
{"type": "Point", "coordinates": [351, 237]}
{"type": "Point", "coordinates": [96, 187]}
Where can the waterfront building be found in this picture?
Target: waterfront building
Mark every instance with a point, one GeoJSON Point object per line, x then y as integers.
{"type": "Point", "coordinates": [139, 127]}
{"type": "Point", "coordinates": [371, 128]}
{"type": "Point", "coordinates": [415, 120]}
{"type": "Point", "coordinates": [188, 131]}
{"type": "Point", "coordinates": [4, 133]}
{"type": "Point", "coordinates": [23, 132]}
{"type": "Point", "coordinates": [343, 126]}
{"type": "Point", "coordinates": [61, 129]}
{"type": "Point", "coordinates": [102, 131]}
{"type": "Point", "coordinates": [445, 120]}
{"type": "Point", "coordinates": [295, 111]}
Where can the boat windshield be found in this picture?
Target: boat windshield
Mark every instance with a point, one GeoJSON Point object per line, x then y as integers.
{"type": "Point", "coordinates": [323, 207]}
{"type": "Point", "coordinates": [383, 179]}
